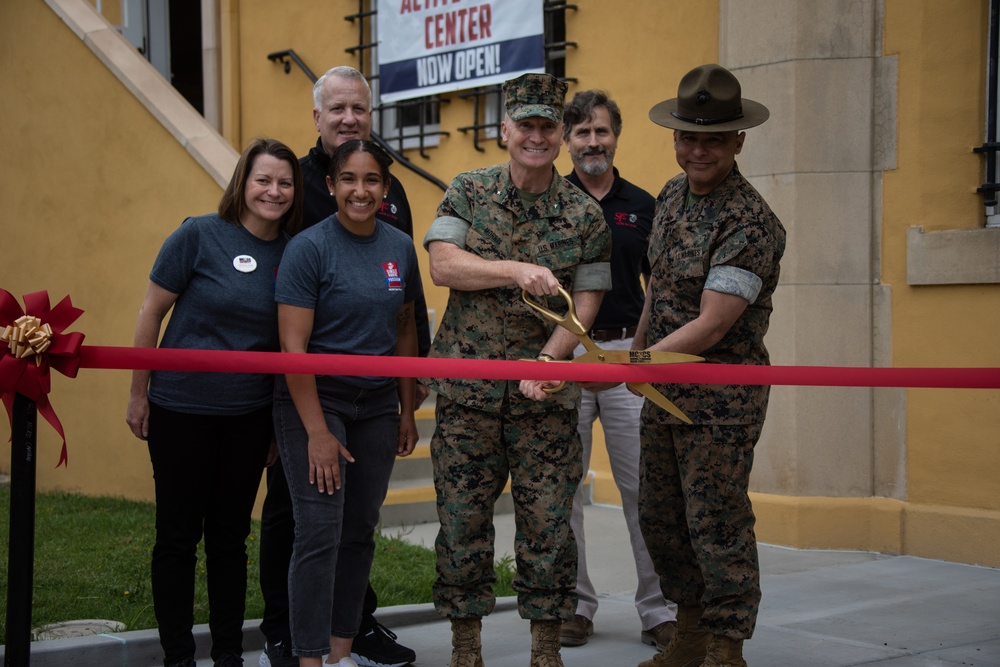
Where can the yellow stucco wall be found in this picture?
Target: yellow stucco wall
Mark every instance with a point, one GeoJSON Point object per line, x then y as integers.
{"type": "Point", "coordinates": [92, 185]}
{"type": "Point", "coordinates": [953, 436]}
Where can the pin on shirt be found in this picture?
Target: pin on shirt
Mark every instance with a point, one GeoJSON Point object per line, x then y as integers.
{"type": "Point", "coordinates": [245, 264]}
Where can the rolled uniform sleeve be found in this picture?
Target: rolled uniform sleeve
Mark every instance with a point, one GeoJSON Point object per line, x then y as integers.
{"type": "Point", "coordinates": [742, 256]}
{"type": "Point", "coordinates": [734, 280]}
{"type": "Point", "coordinates": [592, 277]}
{"type": "Point", "coordinates": [594, 273]}
{"type": "Point", "coordinates": [449, 229]}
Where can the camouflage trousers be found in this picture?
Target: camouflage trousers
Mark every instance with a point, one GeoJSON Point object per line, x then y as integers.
{"type": "Point", "coordinates": [697, 521]}
{"type": "Point", "coordinates": [473, 453]}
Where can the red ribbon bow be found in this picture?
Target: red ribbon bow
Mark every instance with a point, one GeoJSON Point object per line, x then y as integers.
{"type": "Point", "coordinates": [32, 341]}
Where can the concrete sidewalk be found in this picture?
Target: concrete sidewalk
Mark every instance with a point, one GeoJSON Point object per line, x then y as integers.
{"type": "Point", "coordinates": [819, 608]}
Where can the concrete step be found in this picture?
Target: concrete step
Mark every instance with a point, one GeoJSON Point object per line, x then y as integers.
{"type": "Point", "coordinates": [416, 466]}
{"type": "Point", "coordinates": [425, 419]}
{"type": "Point", "coordinates": [411, 496]}
{"type": "Point", "coordinates": [411, 500]}
{"type": "Point", "coordinates": [415, 505]}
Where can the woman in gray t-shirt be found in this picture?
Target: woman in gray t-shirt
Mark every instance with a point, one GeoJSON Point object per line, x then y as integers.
{"type": "Point", "coordinates": [209, 433]}
{"type": "Point", "coordinates": [346, 286]}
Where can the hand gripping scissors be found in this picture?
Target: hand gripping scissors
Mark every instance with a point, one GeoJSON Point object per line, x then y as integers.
{"type": "Point", "coordinates": [595, 354]}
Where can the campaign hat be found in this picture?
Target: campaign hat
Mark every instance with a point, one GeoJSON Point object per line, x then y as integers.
{"type": "Point", "coordinates": [709, 99]}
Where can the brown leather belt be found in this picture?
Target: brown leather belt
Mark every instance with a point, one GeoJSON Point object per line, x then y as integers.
{"type": "Point", "coordinates": [604, 335]}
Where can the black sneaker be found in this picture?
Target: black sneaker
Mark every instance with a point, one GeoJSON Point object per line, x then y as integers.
{"type": "Point", "coordinates": [278, 654]}
{"type": "Point", "coordinates": [229, 660]}
{"type": "Point", "coordinates": [378, 648]}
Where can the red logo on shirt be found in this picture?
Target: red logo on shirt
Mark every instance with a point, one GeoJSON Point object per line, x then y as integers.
{"type": "Point", "coordinates": [392, 278]}
{"type": "Point", "coordinates": [388, 210]}
{"type": "Point", "coordinates": [625, 219]}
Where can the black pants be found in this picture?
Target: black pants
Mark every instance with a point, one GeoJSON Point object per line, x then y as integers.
{"type": "Point", "coordinates": [277, 535]}
{"type": "Point", "coordinates": [206, 470]}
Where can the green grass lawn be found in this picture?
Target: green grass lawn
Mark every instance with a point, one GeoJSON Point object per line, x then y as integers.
{"type": "Point", "coordinates": [92, 561]}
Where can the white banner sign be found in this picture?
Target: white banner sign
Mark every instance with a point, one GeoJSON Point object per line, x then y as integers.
{"type": "Point", "coordinates": [427, 47]}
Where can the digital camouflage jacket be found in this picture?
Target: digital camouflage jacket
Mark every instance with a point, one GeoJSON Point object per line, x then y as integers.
{"type": "Point", "coordinates": [733, 226]}
{"type": "Point", "coordinates": [562, 231]}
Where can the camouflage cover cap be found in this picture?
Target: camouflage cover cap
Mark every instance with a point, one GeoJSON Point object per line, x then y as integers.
{"type": "Point", "coordinates": [534, 95]}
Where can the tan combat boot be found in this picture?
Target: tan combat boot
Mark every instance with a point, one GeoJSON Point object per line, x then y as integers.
{"type": "Point", "coordinates": [725, 652]}
{"type": "Point", "coordinates": [467, 645]}
{"type": "Point", "coordinates": [689, 646]}
{"type": "Point", "coordinates": [545, 644]}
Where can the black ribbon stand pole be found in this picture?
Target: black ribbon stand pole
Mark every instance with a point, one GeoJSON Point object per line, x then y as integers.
{"type": "Point", "coordinates": [21, 545]}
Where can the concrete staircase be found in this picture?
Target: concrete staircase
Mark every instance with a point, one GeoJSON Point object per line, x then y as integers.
{"type": "Point", "coordinates": [411, 497]}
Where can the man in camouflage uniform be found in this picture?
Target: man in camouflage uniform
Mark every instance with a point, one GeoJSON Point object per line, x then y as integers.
{"type": "Point", "coordinates": [714, 253]}
{"type": "Point", "coordinates": [500, 230]}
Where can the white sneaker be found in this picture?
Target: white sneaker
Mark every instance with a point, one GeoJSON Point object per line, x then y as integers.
{"type": "Point", "coordinates": [343, 662]}
{"type": "Point", "coordinates": [263, 662]}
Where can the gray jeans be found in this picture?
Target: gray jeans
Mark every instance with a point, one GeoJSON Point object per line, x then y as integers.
{"type": "Point", "coordinates": [335, 534]}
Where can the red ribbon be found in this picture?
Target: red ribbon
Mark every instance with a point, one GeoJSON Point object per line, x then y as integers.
{"type": "Point", "coordinates": [67, 355]}
{"type": "Point", "coordinates": [700, 373]}
{"type": "Point", "coordinates": [30, 376]}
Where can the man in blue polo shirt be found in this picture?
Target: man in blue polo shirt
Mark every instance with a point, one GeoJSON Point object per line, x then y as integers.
{"type": "Point", "coordinates": [593, 123]}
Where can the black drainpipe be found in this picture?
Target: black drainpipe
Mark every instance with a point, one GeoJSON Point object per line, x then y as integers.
{"type": "Point", "coordinates": [990, 148]}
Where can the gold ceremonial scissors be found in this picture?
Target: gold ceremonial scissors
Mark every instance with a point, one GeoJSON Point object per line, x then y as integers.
{"type": "Point", "coordinates": [595, 354]}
